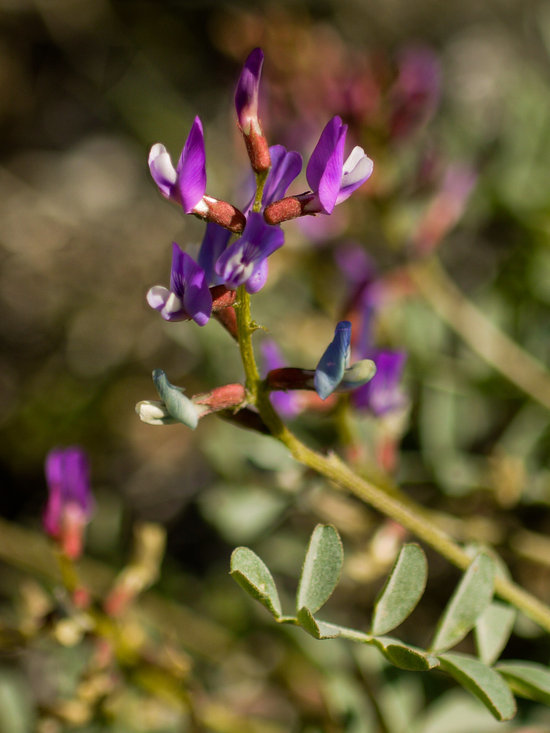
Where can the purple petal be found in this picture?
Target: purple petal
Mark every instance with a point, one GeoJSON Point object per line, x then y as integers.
{"type": "Point", "coordinates": [191, 168]}
{"type": "Point", "coordinates": [246, 94]}
{"type": "Point", "coordinates": [177, 275]}
{"type": "Point", "coordinates": [285, 167]}
{"type": "Point", "coordinates": [214, 243]}
{"type": "Point", "coordinates": [330, 369]}
{"type": "Point", "coordinates": [162, 170]}
{"type": "Point", "coordinates": [324, 170]}
{"type": "Point", "coordinates": [196, 297]}
{"type": "Point", "coordinates": [257, 280]}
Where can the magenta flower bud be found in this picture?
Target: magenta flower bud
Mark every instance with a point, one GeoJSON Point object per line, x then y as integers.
{"type": "Point", "coordinates": [188, 296]}
{"type": "Point", "coordinates": [246, 94]}
{"type": "Point", "coordinates": [246, 104]}
{"type": "Point", "coordinates": [70, 502]}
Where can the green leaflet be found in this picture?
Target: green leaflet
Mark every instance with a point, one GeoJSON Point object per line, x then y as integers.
{"type": "Point", "coordinates": [527, 679]}
{"type": "Point", "coordinates": [404, 655]}
{"type": "Point", "coordinates": [321, 569]}
{"type": "Point", "coordinates": [482, 681]}
{"type": "Point", "coordinates": [493, 629]}
{"type": "Point", "coordinates": [253, 575]}
{"type": "Point", "coordinates": [402, 590]}
{"type": "Point", "coordinates": [472, 595]}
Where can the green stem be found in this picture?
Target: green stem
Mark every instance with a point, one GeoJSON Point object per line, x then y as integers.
{"type": "Point", "coordinates": [494, 346]}
{"type": "Point", "coordinates": [395, 505]}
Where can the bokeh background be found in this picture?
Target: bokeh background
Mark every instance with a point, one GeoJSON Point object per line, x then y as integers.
{"type": "Point", "coordinates": [86, 87]}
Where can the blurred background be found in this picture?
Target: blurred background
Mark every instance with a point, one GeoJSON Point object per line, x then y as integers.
{"type": "Point", "coordinates": [452, 103]}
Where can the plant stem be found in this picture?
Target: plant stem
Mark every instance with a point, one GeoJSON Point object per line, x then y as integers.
{"type": "Point", "coordinates": [498, 349]}
{"type": "Point", "coordinates": [395, 505]}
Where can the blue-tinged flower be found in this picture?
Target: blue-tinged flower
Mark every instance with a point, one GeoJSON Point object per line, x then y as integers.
{"type": "Point", "coordinates": [245, 261]}
{"type": "Point", "coordinates": [332, 365]}
{"type": "Point", "coordinates": [246, 104]}
{"type": "Point", "coordinates": [70, 503]}
{"type": "Point", "coordinates": [332, 179]}
{"type": "Point", "coordinates": [383, 394]}
{"type": "Point", "coordinates": [177, 405]}
{"type": "Point", "coordinates": [188, 296]}
{"type": "Point", "coordinates": [213, 244]}
{"type": "Point", "coordinates": [185, 184]}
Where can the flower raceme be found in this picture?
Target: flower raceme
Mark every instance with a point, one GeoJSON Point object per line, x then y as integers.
{"type": "Point", "coordinates": [70, 502]}
{"type": "Point", "coordinates": [331, 178]}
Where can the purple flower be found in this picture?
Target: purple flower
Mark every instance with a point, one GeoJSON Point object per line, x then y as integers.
{"type": "Point", "coordinates": [415, 94]}
{"type": "Point", "coordinates": [70, 503]}
{"type": "Point", "coordinates": [383, 393]}
{"type": "Point", "coordinates": [213, 244]}
{"type": "Point", "coordinates": [188, 297]}
{"type": "Point", "coordinates": [332, 365]}
{"type": "Point", "coordinates": [285, 167]}
{"type": "Point", "coordinates": [185, 184]}
{"type": "Point", "coordinates": [245, 261]}
{"type": "Point", "coordinates": [332, 179]}
{"type": "Point", "coordinates": [246, 94]}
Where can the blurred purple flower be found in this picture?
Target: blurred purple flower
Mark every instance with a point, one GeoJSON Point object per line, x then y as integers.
{"type": "Point", "coordinates": [188, 296]}
{"type": "Point", "coordinates": [383, 393]}
{"type": "Point", "coordinates": [70, 502]}
{"type": "Point", "coordinates": [185, 184]}
{"type": "Point", "coordinates": [287, 404]}
{"type": "Point", "coordinates": [332, 179]}
{"type": "Point", "coordinates": [415, 94]}
{"type": "Point", "coordinates": [330, 369]}
{"type": "Point", "coordinates": [245, 261]}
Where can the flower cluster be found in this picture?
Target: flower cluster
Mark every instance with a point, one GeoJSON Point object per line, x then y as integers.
{"type": "Point", "coordinates": [332, 179]}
